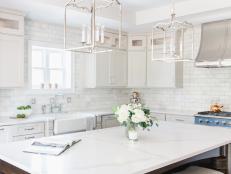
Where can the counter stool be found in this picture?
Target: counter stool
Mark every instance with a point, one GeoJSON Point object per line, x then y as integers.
{"type": "Point", "coordinates": [198, 170]}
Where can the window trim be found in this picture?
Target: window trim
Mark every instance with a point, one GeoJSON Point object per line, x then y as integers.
{"type": "Point", "coordinates": [29, 67]}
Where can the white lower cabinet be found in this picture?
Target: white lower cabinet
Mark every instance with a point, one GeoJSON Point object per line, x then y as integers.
{"type": "Point", "coordinates": [4, 134]}
{"type": "Point", "coordinates": [27, 137]}
{"type": "Point", "coordinates": [158, 116]}
{"type": "Point", "coordinates": [109, 121]}
{"type": "Point", "coordinates": [26, 131]}
{"type": "Point", "coordinates": [180, 118]}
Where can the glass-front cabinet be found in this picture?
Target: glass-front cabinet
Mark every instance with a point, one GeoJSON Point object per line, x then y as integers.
{"type": "Point", "coordinates": [11, 22]}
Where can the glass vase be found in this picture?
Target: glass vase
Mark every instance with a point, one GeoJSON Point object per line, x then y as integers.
{"type": "Point", "coordinates": [132, 133]}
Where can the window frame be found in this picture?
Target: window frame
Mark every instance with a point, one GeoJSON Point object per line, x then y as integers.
{"type": "Point", "coordinates": [48, 91]}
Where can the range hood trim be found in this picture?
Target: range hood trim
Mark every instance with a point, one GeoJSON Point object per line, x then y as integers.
{"type": "Point", "coordinates": [218, 61]}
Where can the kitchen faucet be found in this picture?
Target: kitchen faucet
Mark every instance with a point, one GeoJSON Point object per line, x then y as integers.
{"type": "Point", "coordinates": [54, 105]}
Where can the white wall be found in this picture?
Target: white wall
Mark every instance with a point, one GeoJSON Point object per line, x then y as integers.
{"type": "Point", "coordinates": [201, 87]}
{"type": "Point", "coordinates": [82, 99]}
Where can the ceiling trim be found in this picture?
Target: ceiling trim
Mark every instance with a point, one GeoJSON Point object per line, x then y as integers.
{"type": "Point", "coordinates": [183, 9]}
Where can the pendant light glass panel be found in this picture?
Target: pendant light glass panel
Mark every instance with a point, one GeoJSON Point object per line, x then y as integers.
{"type": "Point", "coordinates": [92, 34]}
{"type": "Point", "coordinates": [173, 41]}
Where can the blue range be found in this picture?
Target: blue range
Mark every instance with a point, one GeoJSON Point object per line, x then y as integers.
{"type": "Point", "coordinates": [222, 119]}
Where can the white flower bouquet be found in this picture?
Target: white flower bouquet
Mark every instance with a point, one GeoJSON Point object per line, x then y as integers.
{"type": "Point", "coordinates": [133, 116]}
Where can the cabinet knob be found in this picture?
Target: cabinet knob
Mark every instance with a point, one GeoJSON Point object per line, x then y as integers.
{"type": "Point", "coordinates": [31, 137]}
{"type": "Point", "coordinates": [179, 120]}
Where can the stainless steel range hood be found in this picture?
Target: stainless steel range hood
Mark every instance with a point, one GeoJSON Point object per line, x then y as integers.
{"type": "Point", "coordinates": [215, 47]}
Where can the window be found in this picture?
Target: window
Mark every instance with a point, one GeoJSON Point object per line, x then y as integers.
{"type": "Point", "coordinates": [51, 68]}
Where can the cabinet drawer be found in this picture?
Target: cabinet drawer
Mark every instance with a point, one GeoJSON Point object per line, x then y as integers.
{"type": "Point", "coordinates": [27, 129]}
{"type": "Point", "coordinates": [27, 137]}
{"type": "Point", "coordinates": [158, 116]}
{"type": "Point", "coordinates": [177, 118]}
{"type": "Point", "coordinates": [109, 121]}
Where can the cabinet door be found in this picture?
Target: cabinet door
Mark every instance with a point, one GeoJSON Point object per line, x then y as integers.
{"type": "Point", "coordinates": [27, 137]}
{"type": "Point", "coordinates": [163, 74]}
{"type": "Point", "coordinates": [123, 42]}
{"type": "Point", "coordinates": [137, 69]}
{"type": "Point", "coordinates": [158, 116]}
{"type": "Point", "coordinates": [137, 42]}
{"type": "Point", "coordinates": [27, 129]}
{"type": "Point", "coordinates": [102, 69]}
{"type": "Point", "coordinates": [11, 24]}
{"type": "Point", "coordinates": [11, 61]}
{"type": "Point", "coordinates": [118, 68]}
{"type": "Point", "coordinates": [109, 121]}
{"type": "Point", "coordinates": [180, 118]}
{"type": "Point", "coordinates": [3, 134]}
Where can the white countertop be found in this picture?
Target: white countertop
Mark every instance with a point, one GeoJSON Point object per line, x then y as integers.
{"type": "Point", "coordinates": [173, 112]}
{"type": "Point", "coordinates": [7, 121]}
{"type": "Point", "coordinates": [108, 150]}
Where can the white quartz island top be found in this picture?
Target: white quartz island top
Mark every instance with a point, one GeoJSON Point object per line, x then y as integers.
{"type": "Point", "coordinates": [109, 151]}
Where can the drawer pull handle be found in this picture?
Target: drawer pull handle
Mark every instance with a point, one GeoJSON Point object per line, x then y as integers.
{"type": "Point", "coordinates": [29, 129]}
{"type": "Point", "coordinates": [27, 138]}
{"type": "Point", "coordinates": [179, 120]}
{"type": "Point", "coordinates": [2, 129]}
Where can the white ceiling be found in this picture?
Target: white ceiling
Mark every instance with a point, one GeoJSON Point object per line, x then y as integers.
{"type": "Point", "coordinates": [146, 12]}
{"type": "Point", "coordinates": [52, 10]}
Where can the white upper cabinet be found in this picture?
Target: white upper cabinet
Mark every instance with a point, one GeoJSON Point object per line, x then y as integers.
{"type": "Point", "coordinates": [137, 68]}
{"type": "Point", "coordinates": [137, 63]}
{"type": "Point", "coordinates": [107, 69]}
{"type": "Point", "coordinates": [11, 49]}
{"type": "Point", "coordinates": [11, 61]}
{"type": "Point", "coordinates": [163, 74]}
{"type": "Point", "coordinates": [118, 68]}
{"type": "Point", "coordinates": [11, 22]}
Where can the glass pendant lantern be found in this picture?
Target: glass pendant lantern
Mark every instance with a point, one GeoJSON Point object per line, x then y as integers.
{"type": "Point", "coordinates": [172, 41]}
{"type": "Point", "coordinates": [92, 35]}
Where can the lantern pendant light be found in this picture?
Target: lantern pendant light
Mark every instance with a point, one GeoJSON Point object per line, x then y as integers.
{"type": "Point", "coordinates": [92, 36]}
{"type": "Point", "coordinates": [172, 41]}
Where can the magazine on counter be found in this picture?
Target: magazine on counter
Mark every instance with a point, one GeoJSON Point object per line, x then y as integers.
{"type": "Point", "coordinates": [50, 147]}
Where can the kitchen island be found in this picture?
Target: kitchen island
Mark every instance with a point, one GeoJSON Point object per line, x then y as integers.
{"type": "Point", "coordinates": [109, 151]}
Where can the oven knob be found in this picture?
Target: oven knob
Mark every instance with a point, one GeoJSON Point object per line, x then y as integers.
{"type": "Point", "coordinates": [207, 121]}
{"type": "Point", "coordinates": [216, 122]}
{"type": "Point", "coordinates": [200, 121]}
{"type": "Point", "coordinates": [224, 123]}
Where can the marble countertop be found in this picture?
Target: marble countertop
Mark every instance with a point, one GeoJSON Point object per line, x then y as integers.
{"type": "Point", "coordinates": [174, 112]}
{"type": "Point", "coordinates": [109, 151]}
{"type": "Point", "coordinates": [7, 121]}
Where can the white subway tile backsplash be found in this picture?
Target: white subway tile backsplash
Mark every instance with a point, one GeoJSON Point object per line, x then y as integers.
{"type": "Point", "coordinates": [82, 99]}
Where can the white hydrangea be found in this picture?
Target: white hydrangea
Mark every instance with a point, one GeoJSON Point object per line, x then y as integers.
{"type": "Point", "coordinates": [139, 116]}
{"type": "Point", "coordinates": [123, 113]}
